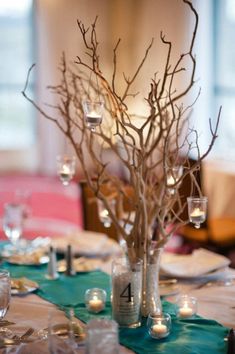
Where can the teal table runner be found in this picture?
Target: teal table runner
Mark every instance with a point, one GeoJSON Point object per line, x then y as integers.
{"type": "Point", "coordinates": [191, 336]}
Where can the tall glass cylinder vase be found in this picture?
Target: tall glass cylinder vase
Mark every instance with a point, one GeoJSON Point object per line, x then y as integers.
{"type": "Point", "coordinates": [126, 292]}
{"type": "Point", "coordinates": [151, 301]}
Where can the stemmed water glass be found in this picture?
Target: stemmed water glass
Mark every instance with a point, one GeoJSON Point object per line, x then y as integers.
{"type": "Point", "coordinates": [5, 296]}
{"type": "Point", "coordinates": [13, 218]}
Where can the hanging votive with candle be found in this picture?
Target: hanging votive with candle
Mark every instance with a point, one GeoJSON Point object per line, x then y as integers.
{"type": "Point", "coordinates": [103, 212]}
{"type": "Point", "coordinates": [159, 325]}
{"type": "Point", "coordinates": [93, 113]}
{"type": "Point", "coordinates": [95, 299]}
{"type": "Point", "coordinates": [186, 306]}
{"type": "Point", "coordinates": [173, 175]}
{"type": "Point", "coordinates": [197, 209]}
{"type": "Point", "coordinates": [65, 168]}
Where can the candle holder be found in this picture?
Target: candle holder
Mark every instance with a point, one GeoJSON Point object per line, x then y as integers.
{"type": "Point", "coordinates": [95, 300]}
{"type": "Point", "coordinates": [104, 213]}
{"type": "Point", "coordinates": [159, 325]}
{"type": "Point", "coordinates": [65, 168]}
{"type": "Point", "coordinates": [173, 175]}
{"type": "Point", "coordinates": [197, 208]}
{"type": "Point", "coordinates": [186, 306]}
{"type": "Point", "coordinates": [93, 113]}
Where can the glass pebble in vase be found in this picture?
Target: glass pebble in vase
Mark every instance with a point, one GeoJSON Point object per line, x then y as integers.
{"type": "Point", "coordinates": [126, 292]}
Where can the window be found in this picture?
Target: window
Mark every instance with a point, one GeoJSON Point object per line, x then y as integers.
{"type": "Point", "coordinates": [16, 114]}
{"type": "Point", "coordinates": [224, 85]}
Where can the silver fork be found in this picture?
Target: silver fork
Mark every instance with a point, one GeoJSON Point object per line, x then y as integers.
{"type": "Point", "coordinates": [24, 336]}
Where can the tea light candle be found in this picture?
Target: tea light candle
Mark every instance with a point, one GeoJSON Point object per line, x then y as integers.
{"type": "Point", "coordinates": [93, 115]}
{"type": "Point", "coordinates": [187, 306]}
{"type": "Point", "coordinates": [197, 213]}
{"type": "Point", "coordinates": [185, 311]}
{"type": "Point", "coordinates": [95, 304]}
{"type": "Point", "coordinates": [65, 170]}
{"type": "Point", "coordinates": [159, 328]}
{"type": "Point", "coordinates": [159, 325]}
{"type": "Point", "coordinates": [170, 181]}
{"type": "Point", "coordinates": [95, 299]}
{"type": "Point", "coordinates": [104, 213]}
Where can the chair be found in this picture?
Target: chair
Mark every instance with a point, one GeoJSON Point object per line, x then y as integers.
{"type": "Point", "coordinates": [91, 219]}
{"type": "Point", "coordinates": [217, 233]}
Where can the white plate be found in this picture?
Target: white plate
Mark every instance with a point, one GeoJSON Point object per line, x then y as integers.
{"type": "Point", "coordinates": [21, 260]}
{"type": "Point", "coordinates": [27, 290]}
{"type": "Point", "coordinates": [80, 265]}
{"type": "Point", "coordinates": [23, 286]}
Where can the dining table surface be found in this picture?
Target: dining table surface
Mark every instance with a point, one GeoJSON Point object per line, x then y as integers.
{"type": "Point", "coordinates": [215, 302]}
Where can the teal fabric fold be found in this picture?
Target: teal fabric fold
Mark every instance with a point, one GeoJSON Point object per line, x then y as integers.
{"type": "Point", "coordinates": [188, 336]}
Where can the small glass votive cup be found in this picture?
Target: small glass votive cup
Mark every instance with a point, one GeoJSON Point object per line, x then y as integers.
{"type": "Point", "coordinates": [95, 299]}
{"type": "Point", "coordinates": [186, 306]}
{"type": "Point", "coordinates": [65, 168]}
{"type": "Point", "coordinates": [102, 337]}
{"type": "Point", "coordinates": [159, 325]}
{"type": "Point", "coordinates": [197, 210]}
{"type": "Point", "coordinates": [104, 213]}
{"type": "Point", "coordinates": [93, 113]}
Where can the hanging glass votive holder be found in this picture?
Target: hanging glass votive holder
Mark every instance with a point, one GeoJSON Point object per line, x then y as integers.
{"type": "Point", "coordinates": [93, 113]}
{"type": "Point", "coordinates": [159, 325]}
{"type": "Point", "coordinates": [173, 175]}
{"type": "Point", "coordinates": [186, 306]}
{"type": "Point", "coordinates": [104, 213]}
{"type": "Point", "coordinates": [65, 168]}
{"type": "Point", "coordinates": [95, 299]}
{"type": "Point", "coordinates": [197, 209]}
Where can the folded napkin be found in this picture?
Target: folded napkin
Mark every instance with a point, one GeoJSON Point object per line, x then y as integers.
{"type": "Point", "coordinates": [199, 263]}
{"type": "Point", "coordinates": [87, 243]}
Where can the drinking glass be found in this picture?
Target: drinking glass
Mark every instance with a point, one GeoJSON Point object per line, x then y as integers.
{"type": "Point", "coordinates": [13, 217]}
{"type": "Point", "coordinates": [5, 296]}
{"type": "Point", "coordinates": [102, 337]}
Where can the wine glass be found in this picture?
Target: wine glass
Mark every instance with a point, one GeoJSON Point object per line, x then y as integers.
{"type": "Point", "coordinates": [13, 218]}
{"type": "Point", "coordinates": [5, 296]}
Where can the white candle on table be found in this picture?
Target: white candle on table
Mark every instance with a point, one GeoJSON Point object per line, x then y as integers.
{"type": "Point", "coordinates": [96, 304]}
{"type": "Point", "coordinates": [159, 328]}
{"type": "Point", "coordinates": [185, 311]}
